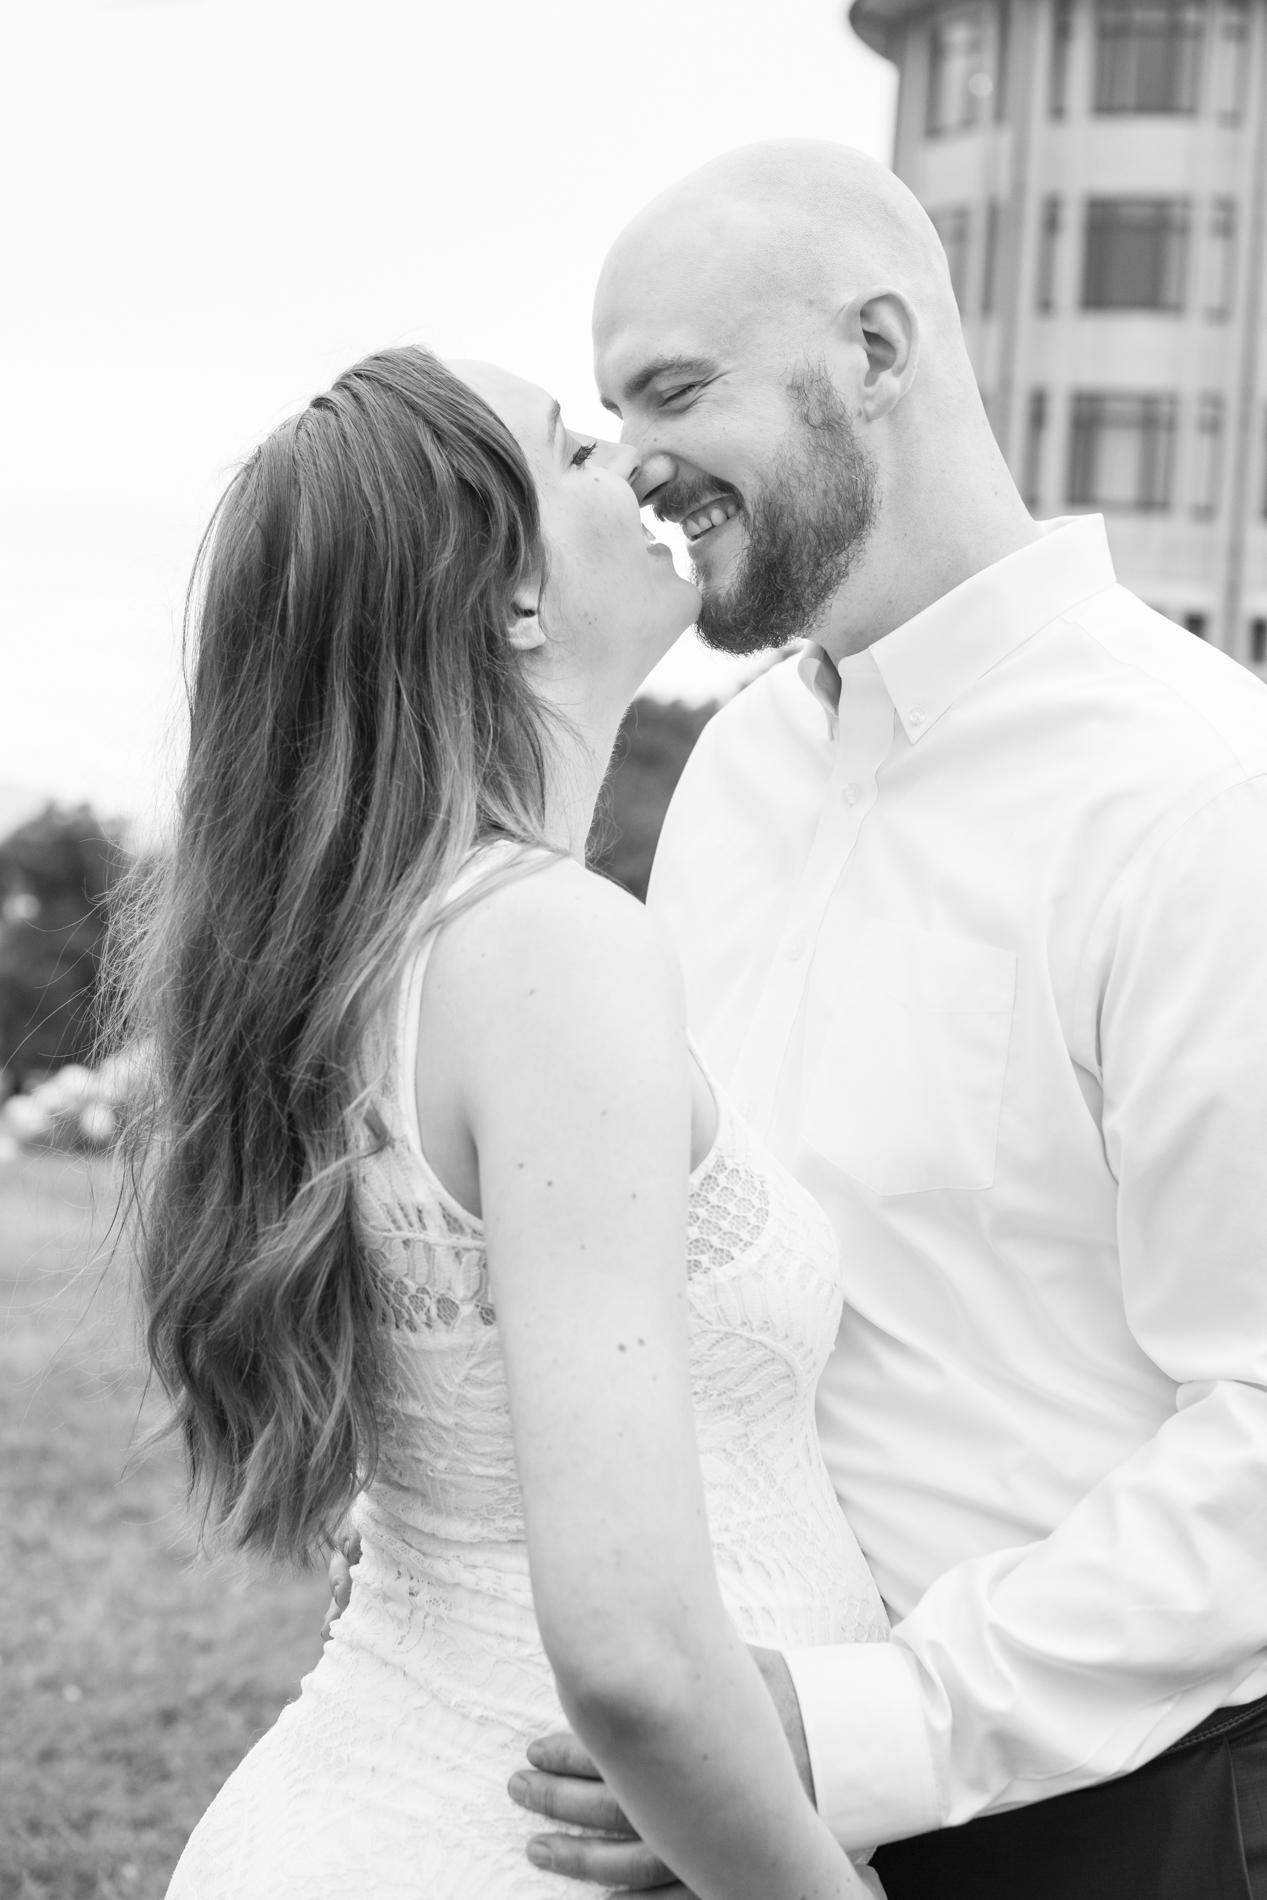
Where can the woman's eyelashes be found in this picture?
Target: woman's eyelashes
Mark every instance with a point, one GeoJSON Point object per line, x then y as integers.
{"type": "Point", "coordinates": [583, 454]}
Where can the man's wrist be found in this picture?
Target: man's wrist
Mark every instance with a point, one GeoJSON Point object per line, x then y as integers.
{"type": "Point", "coordinates": [782, 1689]}
{"type": "Point", "coordinates": [867, 1740]}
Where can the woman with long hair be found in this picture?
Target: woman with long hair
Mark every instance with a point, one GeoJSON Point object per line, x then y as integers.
{"type": "Point", "coordinates": [437, 1216]}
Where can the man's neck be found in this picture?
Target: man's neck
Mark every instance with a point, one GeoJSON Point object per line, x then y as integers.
{"type": "Point", "coordinates": [902, 574]}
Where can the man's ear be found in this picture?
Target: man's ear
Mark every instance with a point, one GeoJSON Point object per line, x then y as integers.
{"type": "Point", "coordinates": [524, 629]}
{"type": "Point", "coordinates": [884, 325]}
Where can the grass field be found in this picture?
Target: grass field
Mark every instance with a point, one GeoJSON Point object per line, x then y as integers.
{"type": "Point", "coordinates": [133, 1675]}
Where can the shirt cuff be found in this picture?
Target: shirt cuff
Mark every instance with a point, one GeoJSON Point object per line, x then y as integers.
{"type": "Point", "coordinates": [868, 1746]}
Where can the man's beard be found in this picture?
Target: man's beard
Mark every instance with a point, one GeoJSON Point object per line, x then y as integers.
{"type": "Point", "coordinates": [805, 529]}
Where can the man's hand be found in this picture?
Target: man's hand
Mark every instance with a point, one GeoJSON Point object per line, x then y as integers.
{"type": "Point", "coordinates": [564, 1784]}
{"type": "Point", "coordinates": [347, 1551]}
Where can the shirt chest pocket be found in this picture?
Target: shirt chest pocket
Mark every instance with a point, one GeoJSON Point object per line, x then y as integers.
{"type": "Point", "coordinates": [907, 1088]}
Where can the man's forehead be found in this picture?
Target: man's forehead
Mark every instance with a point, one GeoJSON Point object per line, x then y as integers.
{"type": "Point", "coordinates": [659, 314]}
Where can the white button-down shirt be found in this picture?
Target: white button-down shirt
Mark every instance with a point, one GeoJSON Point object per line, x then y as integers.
{"type": "Point", "coordinates": [983, 953]}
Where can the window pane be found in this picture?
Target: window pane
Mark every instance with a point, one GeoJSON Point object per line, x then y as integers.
{"type": "Point", "coordinates": [1220, 259]}
{"type": "Point", "coordinates": [1121, 451]}
{"type": "Point", "coordinates": [1002, 58]}
{"type": "Point", "coordinates": [1048, 243]}
{"type": "Point", "coordinates": [1230, 65]}
{"type": "Point", "coordinates": [1148, 55]}
{"type": "Point", "coordinates": [952, 228]}
{"type": "Point", "coordinates": [1058, 71]}
{"type": "Point", "coordinates": [990, 262]}
{"type": "Point", "coordinates": [1136, 254]}
{"type": "Point", "coordinates": [1035, 430]}
{"type": "Point", "coordinates": [956, 78]}
{"type": "Point", "coordinates": [1207, 455]}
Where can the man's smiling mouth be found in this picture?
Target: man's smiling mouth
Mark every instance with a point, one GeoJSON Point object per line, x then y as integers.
{"type": "Point", "coordinates": [714, 514]}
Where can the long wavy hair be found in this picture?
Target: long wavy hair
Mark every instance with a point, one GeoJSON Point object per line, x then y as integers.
{"type": "Point", "coordinates": [358, 722]}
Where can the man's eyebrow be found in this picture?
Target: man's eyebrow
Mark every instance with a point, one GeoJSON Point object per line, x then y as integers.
{"type": "Point", "coordinates": [663, 366]}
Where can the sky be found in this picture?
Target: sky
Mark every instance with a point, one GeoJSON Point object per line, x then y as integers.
{"type": "Point", "coordinates": [211, 207]}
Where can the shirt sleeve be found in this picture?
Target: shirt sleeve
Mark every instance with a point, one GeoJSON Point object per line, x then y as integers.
{"type": "Point", "coordinates": [1033, 1671]}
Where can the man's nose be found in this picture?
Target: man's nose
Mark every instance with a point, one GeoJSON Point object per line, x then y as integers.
{"type": "Point", "coordinates": [653, 472]}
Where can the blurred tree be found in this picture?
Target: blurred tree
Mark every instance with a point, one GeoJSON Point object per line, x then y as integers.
{"type": "Point", "coordinates": [55, 873]}
{"type": "Point", "coordinates": [655, 742]}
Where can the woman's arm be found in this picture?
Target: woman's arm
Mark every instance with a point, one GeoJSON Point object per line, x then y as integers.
{"type": "Point", "coordinates": [573, 1080]}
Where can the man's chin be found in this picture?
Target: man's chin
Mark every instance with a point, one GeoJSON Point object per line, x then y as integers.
{"type": "Point", "coordinates": [716, 567]}
{"type": "Point", "coordinates": [727, 632]}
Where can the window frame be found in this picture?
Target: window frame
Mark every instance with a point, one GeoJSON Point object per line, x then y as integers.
{"type": "Point", "coordinates": [1221, 238]}
{"type": "Point", "coordinates": [1130, 52]}
{"type": "Point", "coordinates": [1050, 228]}
{"type": "Point", "coordinates": [1156, 414]}
{"type": "Point", "coordinates": [1207, 459]}
{"type": "Point", "coordinates": [972, 18]}
{"type": "Point", "coordinates": [1111, 224]}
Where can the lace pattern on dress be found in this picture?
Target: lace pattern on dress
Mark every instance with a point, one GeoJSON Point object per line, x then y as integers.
{"type": "Point", "coordinates": [729, 1212]}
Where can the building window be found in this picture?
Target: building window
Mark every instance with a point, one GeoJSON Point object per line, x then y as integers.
{"type": "Point", "coordinates": [1122, 451]}
{"type": "Point", "coordinates": [1231, 62]}
{"type": "Point", "coordinates": [1035, 435]}
{"type": "Point", "coordinates": [1136, 254]}
{"type": "Point", "coordinates": [990, 259]}
{"type": "Point", "coordinates": [958, 80]}
{"type": "Point", "coordinates": [1220, 259]}
{"type": "Point", "coordinates": [953, 228]}
{"type": "Point", "coordinates": [1048, 244]}
{"type": "Point", "coordinates": [1058, 71]}
{"type": "Point", "coordinates": [1148, 55]}
{"type": "Point", "coordinates": [1002, 58]}
{"type": "Point", "coordinates": [1196, 623]}
{"type": "Point", "coordinates": [1207, 457]}
{"type": "Point", "coordinates": [1258, 642]}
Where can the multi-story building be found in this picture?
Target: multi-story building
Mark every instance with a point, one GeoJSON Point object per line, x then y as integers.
{"type": "Point", "coordinates": [1097, 171]}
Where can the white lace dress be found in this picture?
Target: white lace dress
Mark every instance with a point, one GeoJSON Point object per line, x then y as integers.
{"type": "Point", "coordinates": [386, 1779]}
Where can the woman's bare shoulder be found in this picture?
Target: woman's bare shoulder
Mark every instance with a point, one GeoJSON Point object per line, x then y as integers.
{"type": "Point", "coordinates": [555, 932]}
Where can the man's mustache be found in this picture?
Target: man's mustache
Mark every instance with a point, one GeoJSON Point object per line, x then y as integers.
{"type": "Point", "coordinates": [682, 497]}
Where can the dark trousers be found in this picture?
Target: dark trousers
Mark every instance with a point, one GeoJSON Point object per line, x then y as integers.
{"type": "Point", "coordinates": [1191, 1825]}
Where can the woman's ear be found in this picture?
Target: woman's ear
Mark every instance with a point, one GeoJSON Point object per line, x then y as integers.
{"type": "Point", "coordinates": [524, 629]}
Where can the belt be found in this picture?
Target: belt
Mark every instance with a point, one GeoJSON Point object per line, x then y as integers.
{"type": "Point", "coordinates": [1170, 1830]}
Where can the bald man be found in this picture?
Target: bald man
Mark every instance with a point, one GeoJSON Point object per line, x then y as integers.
{"type": "Point", "coordinates": [972, 904]}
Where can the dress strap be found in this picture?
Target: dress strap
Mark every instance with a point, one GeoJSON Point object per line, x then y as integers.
{"type": "Point", "coordinates": [483, 861]}
{"type": "Point", "coordinates": [406, 1052]}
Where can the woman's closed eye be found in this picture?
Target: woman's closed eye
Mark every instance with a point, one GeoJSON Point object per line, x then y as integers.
{"type": "Point", "coordinates": [583, 454]}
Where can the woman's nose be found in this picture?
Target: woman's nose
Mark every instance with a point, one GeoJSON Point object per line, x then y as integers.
{"type": "Point", "coordinates": [620, 458]}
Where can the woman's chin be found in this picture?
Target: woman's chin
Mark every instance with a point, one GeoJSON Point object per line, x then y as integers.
{"type": "Point", "coordinates": [691, 602]}
{"type": "Point", "coordinates": [669, 633]}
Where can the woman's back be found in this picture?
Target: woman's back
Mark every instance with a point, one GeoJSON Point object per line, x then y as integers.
{"type": "Point", "coordinates": [435, 1678]}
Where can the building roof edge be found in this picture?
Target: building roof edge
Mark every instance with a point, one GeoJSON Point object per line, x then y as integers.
{"type": "Point", "coordinates": [877, 22]}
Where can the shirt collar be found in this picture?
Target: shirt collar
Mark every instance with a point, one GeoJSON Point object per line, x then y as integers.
{"type": "Point", "coordinates": [929, 661]}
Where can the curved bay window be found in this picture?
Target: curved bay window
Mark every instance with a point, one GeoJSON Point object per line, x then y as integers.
{"type": "Point", "coordinates": [1122, 451]}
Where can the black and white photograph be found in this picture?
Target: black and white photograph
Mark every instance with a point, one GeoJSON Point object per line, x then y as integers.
{"type": "Point", "coordinates": [633, 950]}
